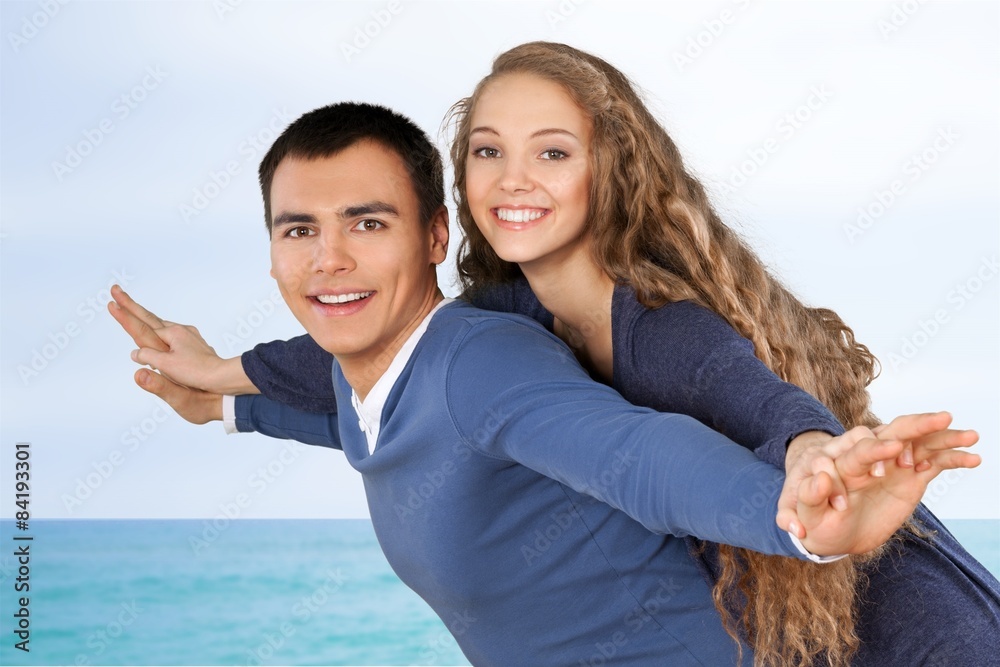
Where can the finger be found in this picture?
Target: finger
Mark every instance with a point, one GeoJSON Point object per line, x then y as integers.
{"type": "Point", "coordinates": [928, 446]}
{"type": "Point", "coordinates": [946, 439]}
{"type": "Point", "coordinates": [909, 427]}
{"type": "Point", "coordinates": [837, 493]}
{"type": "Point", "coordinates": [141, 333]}
{"type": "Point", "coordinates": [952, 459]}
{"type": "Point", "coordinates": [787, 519]}
{"type": "Point", "coordinates": [160, 386]}
{"type": "Point", "coordinates": [846, 441]}
{"type": "Point", "coordinates": [905, 459]}
{"type": "Point", "coordinates": [813, 502]}
{"type": "Point", "coordinates": [862, 459]}
{"type": "Point", "coordinates": [148, 357]}
{"type": "Point", "coordinates": [787, 502]}
{"type": "Point", "coordinates": [129, 304]}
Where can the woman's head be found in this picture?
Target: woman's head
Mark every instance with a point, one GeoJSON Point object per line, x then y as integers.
{"type": "Point", "coordinates": [527, 170]}
{"type": "Point", "coordinates": [632, 161]}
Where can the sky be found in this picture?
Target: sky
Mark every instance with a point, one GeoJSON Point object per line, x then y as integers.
{"type": "Point", "coordinates": [854, 144]}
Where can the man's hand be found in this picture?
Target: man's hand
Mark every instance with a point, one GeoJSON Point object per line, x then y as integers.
{"type": "Point", "coordinates": [880, 494]}
{"type": "Point", "coordinates": [923, 449]}
{"type": "Point", "coordinates": [197, 407]}
{"type": "Point", "coordinates": [177, 351]}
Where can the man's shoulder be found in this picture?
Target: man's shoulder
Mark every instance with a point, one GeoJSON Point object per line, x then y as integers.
{"type": "Point", "coordinates": [462, 316]}
{"type": "Point", "coordinates": [464, 334]}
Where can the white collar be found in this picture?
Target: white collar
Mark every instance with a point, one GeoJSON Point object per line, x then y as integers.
{"type": "Point", "coordinates": [370, 410]}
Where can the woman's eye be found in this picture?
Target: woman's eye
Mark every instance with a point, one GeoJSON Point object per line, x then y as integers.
{"type": "Point", "coordinates": [486, 152]}
{"type": "Point", "coordinates": [368, 225]}
{"type": "Point", "coordinates": [554, 154]}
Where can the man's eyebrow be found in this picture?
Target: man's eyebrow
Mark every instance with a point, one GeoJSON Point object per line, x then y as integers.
{"type": "Point", "coordinates": [294, 219]}
{"type": "Point", "coordinates": [346, 213]}
{"type": "Point", "coordinates": [368, 208]}
{"type": "Point", "coordinates": [537, 133]}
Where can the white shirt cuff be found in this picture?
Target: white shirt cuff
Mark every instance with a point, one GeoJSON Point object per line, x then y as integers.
{"type": "Point", "coordinates": [229, 415]}
{"type": "Point", "coordinates": [805, 552]}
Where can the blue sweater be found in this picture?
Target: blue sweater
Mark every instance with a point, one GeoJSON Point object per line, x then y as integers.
{"type": "Point", "coordinates": [535, 508]}
{"type": "Point", "coordinates": [927, 600]}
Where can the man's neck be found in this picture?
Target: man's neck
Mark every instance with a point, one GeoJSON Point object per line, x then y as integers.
{"type": "Point", "coordinates": [363, 370]}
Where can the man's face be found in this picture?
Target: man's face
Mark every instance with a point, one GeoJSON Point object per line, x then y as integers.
{"type": "Point", "coordinates": [351, 256]}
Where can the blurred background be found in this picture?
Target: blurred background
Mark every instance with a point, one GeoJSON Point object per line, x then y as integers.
{"type": "Point", "coordinates": [855, 144]}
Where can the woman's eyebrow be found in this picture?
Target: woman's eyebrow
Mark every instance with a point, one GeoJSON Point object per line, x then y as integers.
{"type": "Point", "coordinates": [537, 133]}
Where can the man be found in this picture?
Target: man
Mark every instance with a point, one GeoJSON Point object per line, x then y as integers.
{"type": "Point", "coordinates": [504, 485]}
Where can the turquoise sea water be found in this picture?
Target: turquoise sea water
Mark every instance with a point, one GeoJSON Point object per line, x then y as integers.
{"type": "Point", "coordinates": [251, 593]}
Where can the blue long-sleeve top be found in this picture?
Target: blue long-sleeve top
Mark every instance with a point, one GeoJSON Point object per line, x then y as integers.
{"type": "Point", "coordinates": [680, 358]}
{"type": "Point", "coordinates": [509, 488]}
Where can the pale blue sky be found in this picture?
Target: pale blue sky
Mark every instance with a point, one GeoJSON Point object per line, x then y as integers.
{"type": "Point", "coordinates": [839, 102]}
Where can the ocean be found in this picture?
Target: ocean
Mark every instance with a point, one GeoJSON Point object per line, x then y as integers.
{"type": "Point", "coordinates": [285, 592]}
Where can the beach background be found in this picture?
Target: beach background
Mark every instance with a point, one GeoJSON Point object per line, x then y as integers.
{"type": "Point", "coordinates": [855, 144]}
{"type": "Point", "coordinates": [251, 592]}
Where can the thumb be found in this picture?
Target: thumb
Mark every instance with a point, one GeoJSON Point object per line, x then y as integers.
{"type": "Point", "coordinates": [813, 496]}
{"type": "Point", "coordinates": [158, 385]}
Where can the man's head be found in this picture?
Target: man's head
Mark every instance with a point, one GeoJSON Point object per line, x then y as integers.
{"type": "Point", "coordinates": [352, 249]}
{"type": "Point", "coordinates": [329, 130]}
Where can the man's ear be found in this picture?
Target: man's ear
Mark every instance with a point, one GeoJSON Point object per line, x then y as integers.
{"type": "Point", "coordinates": [439, 235]}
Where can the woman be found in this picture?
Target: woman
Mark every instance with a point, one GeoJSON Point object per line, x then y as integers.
{"type": "Point", "coordinates": [577, 211]}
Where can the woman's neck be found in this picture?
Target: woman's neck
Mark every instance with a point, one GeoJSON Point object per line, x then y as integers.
{"type": "Point", "coordinates": [578, 294]}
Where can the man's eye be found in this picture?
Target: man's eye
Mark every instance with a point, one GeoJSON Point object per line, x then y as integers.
{"type": "Point", "coordinates": [298, 232]}
{"type": "Point", "coordinates": [368, 225]}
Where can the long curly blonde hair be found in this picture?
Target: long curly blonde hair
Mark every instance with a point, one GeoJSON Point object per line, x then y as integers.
{"type": "Point", "coordinates": [653, 228]}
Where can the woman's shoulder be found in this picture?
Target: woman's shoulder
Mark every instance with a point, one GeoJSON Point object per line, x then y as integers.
{"type": "Point", "coordinates": [514, 296]}
{"type": "Point", "coordinates": [675, 320]}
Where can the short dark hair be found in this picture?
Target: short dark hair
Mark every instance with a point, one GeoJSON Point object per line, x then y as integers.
{"type": "Point", "coordinates": [326, 131]}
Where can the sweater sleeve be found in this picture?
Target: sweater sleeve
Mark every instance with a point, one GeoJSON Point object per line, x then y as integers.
{"type": "Point", "coordinates": [689, 360]}
{"type": "Point", "coordinates": [295, 372]}
{"type": "Point", "coordinates": [515, 393]}
{"type": "Point", "coordinates": [278, 420]}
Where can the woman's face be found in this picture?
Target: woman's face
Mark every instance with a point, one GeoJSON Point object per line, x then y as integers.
{"type": "Point", "coordinates": [527, 177]}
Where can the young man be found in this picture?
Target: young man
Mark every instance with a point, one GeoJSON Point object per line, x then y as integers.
{"type": "Point", "coordinates": [504, 484]}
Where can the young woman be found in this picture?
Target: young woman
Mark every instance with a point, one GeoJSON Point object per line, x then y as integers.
{"type": "Point", "coordinates": [578, 211]}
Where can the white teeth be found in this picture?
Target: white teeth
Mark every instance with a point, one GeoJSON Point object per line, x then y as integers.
{"type": "Point", "coordinates": [519, 215]}
{"type": "Point", "coordinates": [342, 298]}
